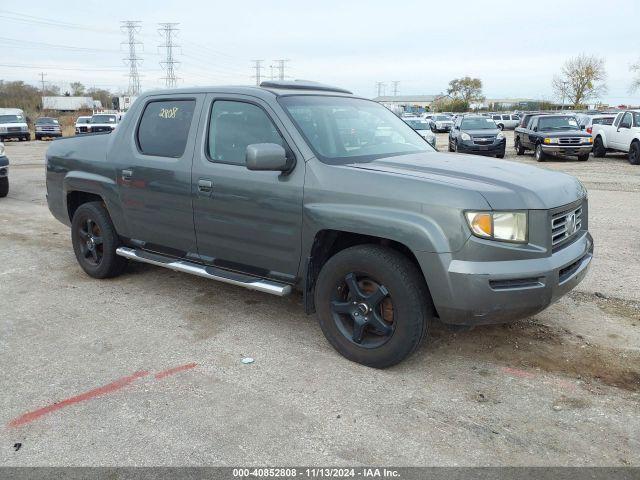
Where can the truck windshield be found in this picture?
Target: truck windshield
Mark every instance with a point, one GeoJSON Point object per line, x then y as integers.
{"type": "Point", "coordinates": [11, 119]}
{"type": "Point", "coordinates": [346, 130]}
{"type": "Point", "coordinates": [478, 123]}
{"type": "Point", "coordinates": [418, 124]}
{"type": "Point", "coordinates": [103, 119]}
{"type": "Point", "coordinates": [557, 123]}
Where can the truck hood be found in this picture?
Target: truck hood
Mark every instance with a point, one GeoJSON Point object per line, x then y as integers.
{"type": "Point", "coordinates": [564, 133]}
{"type": "Point", "coordinates": [505, 185]}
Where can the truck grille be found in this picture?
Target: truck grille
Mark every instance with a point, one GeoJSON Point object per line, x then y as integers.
{"type": "Point", "coordinates": [482, 140]}
{"type": "Point", "coordinates": [14, 129]}
{"type": "Point", "coordinates": [569, 141]}
{"type": "Point", "coordinates": [565, 225]}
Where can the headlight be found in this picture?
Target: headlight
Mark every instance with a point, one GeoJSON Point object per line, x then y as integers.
{"type": "Point", "coordinates": [550, 140]}
{"type": "Point", "coordinates": [500, 136]}
{"type": "Point", "coordinates": [506, 226]}
{"type": "Point", "coordinates": [1, 150]}
{"type": "Point", "coordinates": [465, 136]}
{"type": "Point", "coordinates": [587, 140]}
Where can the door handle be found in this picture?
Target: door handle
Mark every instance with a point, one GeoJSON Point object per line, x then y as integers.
{"type": "Point", "coordinates": [127, 174]}
{"type": "Point", "coordinates": [205, 186]}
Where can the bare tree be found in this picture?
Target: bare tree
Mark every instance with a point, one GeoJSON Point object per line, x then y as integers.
{"type": "Point", "coordinates": [582, 78]}
{"type": "Point", "coordinates": [77, 89]}
{"type": "Point", "coordinates": [467, 89]}
{"type": "Point", "coordinates": [635, 83]}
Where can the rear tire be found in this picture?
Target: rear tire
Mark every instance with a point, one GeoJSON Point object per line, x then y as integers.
{"type": "Point", "coordinates": [519, 148]}
{"type": "Point", "coordinates": [583, 158]}
{"type": "Point", "coordinates": [95, 241]}
{"type": "Point", "coordinates": [539, 154]}
{"type": "Point", "coordinates": [634, 153]}
{"type": "Point", "coordinates": [500, 155]}
{"type": "Point", "coordinates": [389, 329]}
{"type": "Point", "coordinates": [4, 187]}
{"type": "Point", "coordinates": [500, 126]}
{"type": "Point", "coordinates": [598, 148]}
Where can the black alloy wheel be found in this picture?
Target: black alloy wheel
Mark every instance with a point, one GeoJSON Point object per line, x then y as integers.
{"type": "Point", "coordinates": [362, 310]}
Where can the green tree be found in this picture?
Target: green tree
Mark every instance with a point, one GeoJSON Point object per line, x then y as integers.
{"type": "Point", "coordinates": [467, 89]}
{"type": "Point", "coordinates": [582, 78]}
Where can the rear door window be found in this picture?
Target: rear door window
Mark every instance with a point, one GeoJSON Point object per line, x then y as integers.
{"type": "Point", "coordinates": [505, 117]}
{"type": "Point", "coordinates": [164, 128]}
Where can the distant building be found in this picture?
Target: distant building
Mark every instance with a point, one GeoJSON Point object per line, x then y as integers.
{"type": "Point", "coordinates": [408, 103]}
{"type": "Point", "coordinates": [69, 104]}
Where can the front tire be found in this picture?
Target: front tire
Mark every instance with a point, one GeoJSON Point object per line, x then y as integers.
{"type": "Point", "coordinates": [540, 155]}
{"type": "Point", "coordinates": [4, 187]}
{"type": "Point", "coordinates": [634, 153]}
{"type": "Point", "coordinates": [95, 241]}
{"type": "Point", "coordinates": [373, 305]}
{"type": "Point", "coordinates": [583, 158]}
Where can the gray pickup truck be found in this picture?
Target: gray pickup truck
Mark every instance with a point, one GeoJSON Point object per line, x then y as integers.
{"type": "Point", "coordinates": [298, 185]}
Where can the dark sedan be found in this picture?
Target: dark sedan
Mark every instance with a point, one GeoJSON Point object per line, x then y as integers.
{"type": "Point", "coordinates": [478, 135]}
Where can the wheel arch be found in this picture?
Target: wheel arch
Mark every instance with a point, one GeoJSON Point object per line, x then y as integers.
{"type": "Point", "coordinates": [328, 242]}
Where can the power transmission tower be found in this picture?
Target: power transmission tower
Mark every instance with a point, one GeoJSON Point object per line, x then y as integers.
{"type": "Point", "coordinates": [258, 66]}
{"type": "Point", "coordinates": [380, 87]}
{"type": "Point", "coordinates": [131, 28]}
{"type": "Point", "coordinates": [395, 87]}
{"type": "Point", "coordinates": [280, 65]}
{"type": "Point", "coordinates": [168, 30]}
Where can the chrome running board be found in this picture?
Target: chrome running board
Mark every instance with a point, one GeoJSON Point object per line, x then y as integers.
{"type": "Point", "coordinates": [212, 273]}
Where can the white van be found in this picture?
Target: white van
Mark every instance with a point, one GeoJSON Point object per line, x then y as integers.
{"type": "Point", "coordinates": [13, 124]}
{"type": "Point", "coordinates": [504, 120]}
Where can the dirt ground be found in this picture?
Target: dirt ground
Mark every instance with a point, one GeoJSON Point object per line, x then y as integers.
{"type": "Point", "coordinates": [146, 369]}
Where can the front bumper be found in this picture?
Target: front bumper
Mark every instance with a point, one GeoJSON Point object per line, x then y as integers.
{"type": "Point", "coordinates": [43, 134]}
{"type": "Point", "coordinates": [495, 148]}
{"type": "Point", "coordinates": [477, 293]}
{"type": "Point", "coordinates": [442, 128]}
{"type": "Point", "coordinates": [4, 166]}
{"type": "Point", "coordinates": [566, 149]}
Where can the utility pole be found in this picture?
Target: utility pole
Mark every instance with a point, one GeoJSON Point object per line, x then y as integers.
{"type": "Point", "coordinates": [271, 69]}
{"type": "Point", "coordinates": [258, 66]}
{"type": "Point", "coordinates": [380, 86]}
{"type": "Point", "coordinates": [395, 87]}
{"type": "Point", "coordinates": [281, 63]}
{"type": "Point", "coordinates": [168, 30]}
{"type": "Point", "coordinates": [42, 75]}
{"type": "Point", "coordinates": [131, 28]}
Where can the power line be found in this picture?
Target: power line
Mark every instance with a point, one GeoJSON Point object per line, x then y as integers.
{"type": "Point", "coordinates": [257, 64]}
{"type": "Point", "coordinates": [168, 31]}
{"type": "Point", "coordinates": [131, 28]}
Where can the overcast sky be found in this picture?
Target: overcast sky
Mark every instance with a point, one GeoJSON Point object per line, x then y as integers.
{"type": "Point", "coordinates": [515, 47]}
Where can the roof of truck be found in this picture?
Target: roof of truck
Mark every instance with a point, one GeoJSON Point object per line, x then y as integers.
{"type": "Point", "coordinates": [266, 88]}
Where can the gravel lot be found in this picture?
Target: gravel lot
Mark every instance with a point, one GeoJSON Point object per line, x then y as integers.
{"type": "Point", "coordinates": [146, 369]}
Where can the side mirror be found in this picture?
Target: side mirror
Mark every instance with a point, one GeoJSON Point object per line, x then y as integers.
{"type": "Point", "coordinates": [266, 156]}
{"type": "Point", "coordinates": [625, 125]}
{"type": "Point", "coordinates": [535, 129]}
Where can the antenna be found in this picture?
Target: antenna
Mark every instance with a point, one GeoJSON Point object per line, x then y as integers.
{"type": "Point", "coordinates": [168, 31]}
{"type": "Point", "coordinates": [131, 28]}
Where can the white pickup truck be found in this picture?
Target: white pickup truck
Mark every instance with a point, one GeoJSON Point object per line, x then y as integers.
{"type": "Point", "coordinates": [622, 136]}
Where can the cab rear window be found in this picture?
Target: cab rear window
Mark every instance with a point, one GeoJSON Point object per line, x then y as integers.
{"type": "Point", "coordinates": [164, 127]}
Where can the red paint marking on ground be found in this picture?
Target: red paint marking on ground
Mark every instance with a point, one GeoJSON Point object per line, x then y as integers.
{"type": "Point", "coordinates": [96, 392]}
{"type": "Point", "coordinates": [171, 371]}
{"type": "Point", "coordinates": [516, 372]}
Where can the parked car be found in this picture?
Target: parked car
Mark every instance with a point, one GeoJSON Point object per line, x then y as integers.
{"type": "Point", "coordinates": [254, 186]}
{"type": "Point", "coordinates": [553, 135]}
{"type": "Point", "coordinates": [103, 122]}
{"type": "Point", "coordinates": [478, 135]}
{"type": "Point", "coordinates": [423, 129]}
{"type": "Point", "coordinates": [587, 122]}
{"type": "Point", "coordinates": [622, 136]}
{"type": "Point", "coordinates": [504, 120]}
{"type": "Point", "coordinates": [82, 124]}
{"type": "Point", "coordinates": [441, 123]}
{"type": "Point", "coordinates": [13, 124]}
{"type": "Point", "coordinates": [47, 127]}
{"type": "Point", "coordinates": [4, 172]}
